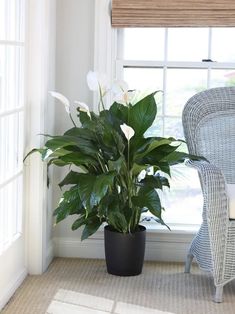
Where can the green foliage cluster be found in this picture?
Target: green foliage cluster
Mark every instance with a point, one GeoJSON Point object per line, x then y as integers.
{"type": "Point", "coordinates": [106, 186]}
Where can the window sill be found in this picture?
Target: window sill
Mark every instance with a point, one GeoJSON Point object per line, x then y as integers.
{"type": "Point", "coordinates": [175, 228]}
{"type": "Point", "coordinates": [157, 232]}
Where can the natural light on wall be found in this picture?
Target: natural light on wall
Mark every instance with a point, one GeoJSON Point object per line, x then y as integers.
{"type": "Point", "coordinates": [180, 62]}
{"type": "Point", "coordinates": [11, 118]}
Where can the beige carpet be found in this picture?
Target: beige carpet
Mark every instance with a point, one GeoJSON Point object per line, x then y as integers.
{"type": "Point", "coordinates": [162, 286]}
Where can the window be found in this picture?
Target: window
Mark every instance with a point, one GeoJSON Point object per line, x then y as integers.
{"type": "Point", "coordinates": [11, 119]}
{"type": "Point", "coordinates": [177, 62]}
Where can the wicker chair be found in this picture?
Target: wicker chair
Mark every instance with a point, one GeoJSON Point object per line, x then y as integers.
{"type": "Point", "coordinates": [209, 127]}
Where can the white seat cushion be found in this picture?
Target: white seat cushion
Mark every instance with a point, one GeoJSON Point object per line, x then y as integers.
{"type": "Point", "coordinates": [231, 196]}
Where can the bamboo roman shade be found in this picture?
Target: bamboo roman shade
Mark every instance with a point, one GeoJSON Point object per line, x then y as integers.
{"type": "Point", "coordinates": [170, 13]}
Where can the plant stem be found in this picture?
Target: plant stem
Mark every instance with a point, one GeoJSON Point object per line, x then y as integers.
{"type": "Point", "coordinates": [101, 165]}
{"type": "Point", "coordinates": [72, 120]}
{"type": "Point", "coordinates": [101, 98]}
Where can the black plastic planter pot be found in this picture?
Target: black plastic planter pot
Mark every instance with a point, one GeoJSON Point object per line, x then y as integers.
{"type": "Point", "coordinates": [124, 252]}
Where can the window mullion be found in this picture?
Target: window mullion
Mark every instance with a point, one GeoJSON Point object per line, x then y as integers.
{"type": "Point", "coordinates": [164, 80]}
{"type": "Point", "coordinates": [209, 57]}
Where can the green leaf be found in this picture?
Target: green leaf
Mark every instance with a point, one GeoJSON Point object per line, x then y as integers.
{"type": "Point", "coordinates": [117, 165]}
{"type": "Point", "coordinates": [79, 222]}
{"type": "Point", "coordinates": [91, 227]}
{"type": "Point", "coordinates": [156, 181]}
{"type": "Point", "coordinates": [148, 197]}
{"type": "Point", "coordinates": [179, 157]}
{"type": "Point", "coordinates": [35, 150]}
{"type": "Point", "coordinates": [118, 221]}
{"type": "Point", "coordinates": [58, 142]}
{"type": "Point", "coordinates": [57, 162]}
{"type": "Point", "coordinates": [142, 114]}
{"type": "Point", "coordinates": [136, 169]}
{"type": "Point", "coordinates": [84, 133]}
{"type": "Point", "coordinates": [71, 178]}
{"type": "Point", "coordinates": [70, 204]}
{"type": "Point", "coordinates": [154, 143]}
{"type": "Point", "coordinates": [119, 114]}
{"type": "Point", "coordinates": [164, 167]}
{"type": "Point", "coordinates": [78, 159]}
{"type": "Point", "coordinates": [84, 118]}
{"type": "Point", "coordinates": [91, 188]}
{"type": "Point", "coordinates": [58, 153]}
{"type": "Point", "coordinates": [85, 144]}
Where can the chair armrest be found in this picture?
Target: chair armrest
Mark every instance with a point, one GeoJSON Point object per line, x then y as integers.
{"type": "Point", "coordinates": [214, 189]}
{"type": "Point", "coordinates": [215, 213]}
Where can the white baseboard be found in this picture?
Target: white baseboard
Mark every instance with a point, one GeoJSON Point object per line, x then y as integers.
{"type": "Point", "coordinates": [12, 287]}
{"type": "Point", "coordinates": [170, 247]}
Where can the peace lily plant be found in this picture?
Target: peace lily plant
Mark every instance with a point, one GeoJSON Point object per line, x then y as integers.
{"type": "Point", "coordinates": [116, 170]}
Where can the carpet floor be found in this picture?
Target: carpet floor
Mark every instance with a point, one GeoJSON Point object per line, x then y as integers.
{"type": "Point", "coordinates": [161, 286]}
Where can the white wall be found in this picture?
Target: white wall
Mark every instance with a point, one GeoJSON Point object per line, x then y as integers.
{"type": "Point", "coordinates": [74, 58]}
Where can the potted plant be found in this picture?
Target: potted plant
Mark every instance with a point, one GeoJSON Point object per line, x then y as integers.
{"type": "Point", "coordinates": [115, 172]}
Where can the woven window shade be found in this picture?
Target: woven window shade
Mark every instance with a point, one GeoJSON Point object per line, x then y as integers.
{"type": "Point", "coordinates": [172, 13]}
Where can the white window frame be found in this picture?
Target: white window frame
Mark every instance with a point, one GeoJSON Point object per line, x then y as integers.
{"type": "Point", "coordinates": [166, 65]}
{"type": "Point", "coordinates": [6, 231]}
{"type": "Point", "coordinates": [40, 37]}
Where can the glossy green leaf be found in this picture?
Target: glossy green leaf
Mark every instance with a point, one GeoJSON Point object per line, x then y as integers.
{"type": "Point", "coordinates": [118, 221]}
{"type": "Point", "coordinates": [90, 228]}
{"type": "Point", "coordinates": [148, 197]}
{"type": "Point", "coordinates": [91, 188]}
{"type": "Point", "coordinates": [142, 114]}
{"type": "Point", "coordinates": [70, 204]}
{"type": "Point", "coordinates": [155, 181]}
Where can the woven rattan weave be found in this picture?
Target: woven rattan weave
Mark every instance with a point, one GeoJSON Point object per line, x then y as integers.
{"type": "Point", "coordinates": [209, 128]}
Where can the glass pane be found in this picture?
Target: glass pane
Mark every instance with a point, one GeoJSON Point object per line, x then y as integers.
{"type": "Point", "coordinates": [222, 78]}
{"type": "Point", "coordinates": [181, 85]}
{"type": "Point", "coordinates": [183, 203]}
{"type": "Point", "coordinates": [11, 20]}
{"type": "Point", "coordinates": [144, 43]}
{"type": "Point", "coordinates": [10, 140]}
{"type": "Point", "coordinates": [156, 129]}
{"type": "Point", "coordinates": [146, 81]}
{"type": "Point", "coordinates": [173, 128]}
{"type": "Point", "coordinates": [10, 211]}
{"type": "Point", "coordinates": [187, 44]}
{"type": "Point", "coordinates": [11, 77]}
{"type": "Point", "coordinates": [223, 44]}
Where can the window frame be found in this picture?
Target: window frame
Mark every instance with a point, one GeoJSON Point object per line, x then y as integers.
{"type": "Point", "coordinates": [165, 66]}
{"type": "Point", "coordinates": [7, 235]}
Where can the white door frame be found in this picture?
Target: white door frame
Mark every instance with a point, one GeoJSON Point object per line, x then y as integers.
{"type": "Point", "coordinates": [39, 43]}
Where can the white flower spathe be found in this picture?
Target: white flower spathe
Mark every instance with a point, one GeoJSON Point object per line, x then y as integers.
{"type": "Point", "coordinates": [127, 130]}
{"type": "Point", "coordinates": [119, 86]}
{"type": "Point", "coordinates": [62, 99]}
{"type": "Point", "coordinates": [122, 95]}
{"type": "Point", "coordinates": [141, 175]}
{"type": "Point", "coordinates": [83, 107]}
{"type": "Point", "coordinates": [97, 82]}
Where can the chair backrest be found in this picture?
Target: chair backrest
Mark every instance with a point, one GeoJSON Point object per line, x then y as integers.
{"type": "Point", "coordinates": [209, 128]}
